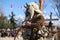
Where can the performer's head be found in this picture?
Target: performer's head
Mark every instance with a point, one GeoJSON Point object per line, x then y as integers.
{"type": "Point", "coordinates": [31, 8]}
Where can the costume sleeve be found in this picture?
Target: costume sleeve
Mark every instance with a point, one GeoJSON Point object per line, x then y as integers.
{"type": "Point", "coordinates": [40, 21]}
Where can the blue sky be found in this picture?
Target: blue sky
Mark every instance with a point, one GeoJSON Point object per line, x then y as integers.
{"type": "Point", "coordinates": [15, 3]}
{"type": "Point", "coordinates": [48, 7]}
{"type": "Point", "coordinates": [5, 5]}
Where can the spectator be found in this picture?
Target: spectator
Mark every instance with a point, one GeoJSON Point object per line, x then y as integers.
{"type": "Point", "coordinates": [0, 32]}
{"type": "Point", "coordinates": [8, 32]}
{"type": "Point", "coordinates": [12, 32]}
{"type": "Point", "coordinates": [3, 33]}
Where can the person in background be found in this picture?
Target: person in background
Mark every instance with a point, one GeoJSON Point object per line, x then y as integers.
{"type": "Point", "coordinates": [12, 32]}
{"type": "Point", "coordinates": [8, 32]}
{"type": "Point", "coordinates": [3, 33]}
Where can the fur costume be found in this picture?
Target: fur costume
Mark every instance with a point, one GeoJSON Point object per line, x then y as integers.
{"type": "Point", "coordinates": [36, 16]}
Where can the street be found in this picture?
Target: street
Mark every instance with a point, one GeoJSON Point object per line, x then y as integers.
{"type": "Point", "coordinates": [6, 38]}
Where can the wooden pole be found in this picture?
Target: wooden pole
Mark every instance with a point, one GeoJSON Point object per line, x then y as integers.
{"type": "Point", "coordinates": [41, 3]}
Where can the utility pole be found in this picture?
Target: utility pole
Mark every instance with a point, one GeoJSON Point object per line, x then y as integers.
{"type": "Point", "coordinates": [50, 23]}
{"type": "Point", "coordinates": [51, 16]}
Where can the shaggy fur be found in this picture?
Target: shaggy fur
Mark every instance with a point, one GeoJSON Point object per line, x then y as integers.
{"type": "Point", "coordinates": [33, 13]}
{"type": "Point", "coordinates": [33, 9]}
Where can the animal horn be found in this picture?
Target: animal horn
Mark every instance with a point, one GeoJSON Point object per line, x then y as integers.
{"type": "Point", "coordinates": [27, 4]}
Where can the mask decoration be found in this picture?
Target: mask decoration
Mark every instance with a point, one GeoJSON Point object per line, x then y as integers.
{"type": "Point", "coordinates": [31, 8]}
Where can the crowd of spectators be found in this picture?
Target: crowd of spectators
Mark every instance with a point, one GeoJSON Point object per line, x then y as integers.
{"type": "Point", "coordinates": [7, 32]}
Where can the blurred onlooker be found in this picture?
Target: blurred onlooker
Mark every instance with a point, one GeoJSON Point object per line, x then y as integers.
{"type": "Point", "coordinates": [0, 32]}
{"type": "Point", "coordinates": [12, 32]}
{"type": "Point", "coordinates": [8, 32]}
{"type": "Point", "coordinates": [3, 33]}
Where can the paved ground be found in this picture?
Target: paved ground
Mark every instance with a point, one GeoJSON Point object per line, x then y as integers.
{"type": "Point", "coordinates": [7, 38]}
{"type": "Point", "coordinates": [12, 38]}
